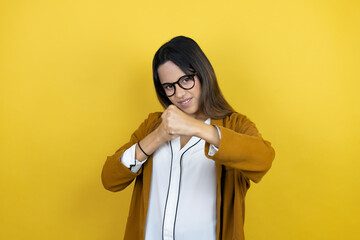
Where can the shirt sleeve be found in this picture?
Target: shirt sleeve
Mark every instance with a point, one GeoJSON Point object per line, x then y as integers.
{"type": "Point", "coordinates": [212, 148]}
{"type": "Point", "coordinates": [129, 161]}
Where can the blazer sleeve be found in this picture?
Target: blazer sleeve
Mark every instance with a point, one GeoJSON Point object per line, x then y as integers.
{"type": "Point", "coordinates": [115, 175]}
{"type": "Point", "coordinates": [243, 148]}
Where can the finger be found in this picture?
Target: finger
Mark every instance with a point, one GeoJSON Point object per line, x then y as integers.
{"type": "Point", "coordinates": [165, 114]}
{"type": "Point", "coordinates": [171, 106]}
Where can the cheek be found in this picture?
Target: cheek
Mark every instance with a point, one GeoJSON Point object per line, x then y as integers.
{"type": "Point", "coordinates": [197, 90]}
{"type": "Point", "coordinates": [172, 100]}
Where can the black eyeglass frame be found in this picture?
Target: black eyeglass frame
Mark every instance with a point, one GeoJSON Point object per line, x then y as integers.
{"type": "Point", "coordinates": [191, 76]}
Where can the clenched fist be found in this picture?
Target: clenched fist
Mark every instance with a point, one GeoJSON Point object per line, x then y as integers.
{"type": "Point", "coordinates": [176, 123]}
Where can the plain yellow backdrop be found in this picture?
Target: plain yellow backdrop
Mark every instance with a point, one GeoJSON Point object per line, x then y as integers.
{"type": "Point", "coordinates": [76, 81]}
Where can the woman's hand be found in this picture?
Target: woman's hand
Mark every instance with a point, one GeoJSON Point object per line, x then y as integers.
{"type": "Point", "coordinates": [175, 123]}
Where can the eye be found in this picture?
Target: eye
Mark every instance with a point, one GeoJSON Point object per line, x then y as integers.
{"type": "Point", "coordinates": [185, 81]}
{"type": "Point", "coordinates": [168, 87]}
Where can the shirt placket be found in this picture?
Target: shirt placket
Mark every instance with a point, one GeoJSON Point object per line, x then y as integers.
{"type": "Point", "coordinates": [173, 193]}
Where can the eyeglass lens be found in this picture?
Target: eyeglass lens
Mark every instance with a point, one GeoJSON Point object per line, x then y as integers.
{"type": "Point", "coordinates": [186, 82]}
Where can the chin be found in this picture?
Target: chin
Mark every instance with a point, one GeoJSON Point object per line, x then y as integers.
{"type": "Point", "coordinates": [191, 113]}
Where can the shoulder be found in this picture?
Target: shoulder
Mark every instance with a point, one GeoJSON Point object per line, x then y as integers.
{"type": "Point", "coordinates": [235, 118]}
{"type": "Point", "coordinates": [152, 121]}
{"type": "Point", "coordinates": [240, 123]}
{"type": "Point", "coordinates": [148, 125]}
{"type": "Point", "coordinates": [154, 116]}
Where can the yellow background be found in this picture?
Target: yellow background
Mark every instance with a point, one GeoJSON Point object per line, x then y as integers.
{"type": "Point", "coordinates": [76, 81]}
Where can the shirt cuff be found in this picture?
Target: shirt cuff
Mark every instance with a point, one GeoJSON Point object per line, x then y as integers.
{"type": "Point", "coordinates": [212, 148]}
{"type": "Point", "coordinates": [128, 159]}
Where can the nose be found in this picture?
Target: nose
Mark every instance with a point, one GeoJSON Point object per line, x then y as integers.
{"type": "Point", "coordinates": [179, 92]}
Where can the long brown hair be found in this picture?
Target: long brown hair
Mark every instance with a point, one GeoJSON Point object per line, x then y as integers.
{"type": "Point", "coordinates": [188, 56]}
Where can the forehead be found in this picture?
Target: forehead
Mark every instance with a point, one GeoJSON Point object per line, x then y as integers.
{"type": "Point", "coordinates": [169, 72]}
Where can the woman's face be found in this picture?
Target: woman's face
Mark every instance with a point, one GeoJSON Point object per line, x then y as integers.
{"type": "Point", "coordinates": [186, 100]}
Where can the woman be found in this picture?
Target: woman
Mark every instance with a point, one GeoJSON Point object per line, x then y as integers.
{"type": "Point", "coordinates": [192, 163]}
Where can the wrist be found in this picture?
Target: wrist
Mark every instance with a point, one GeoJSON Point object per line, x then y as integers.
{"type": "Point", "coordinates": [200, 128]}
{"type": "Point", "coordinates": [160, 137]}
{"type": "Point", "coordinates": [209, 133]}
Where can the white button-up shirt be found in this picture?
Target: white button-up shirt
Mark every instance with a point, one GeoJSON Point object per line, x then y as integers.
{"type": "Point", "coordinates": [182, 203]}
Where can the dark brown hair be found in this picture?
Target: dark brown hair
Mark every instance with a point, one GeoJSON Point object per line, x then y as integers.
{"type": "Point", "coordinates": [188, 56]}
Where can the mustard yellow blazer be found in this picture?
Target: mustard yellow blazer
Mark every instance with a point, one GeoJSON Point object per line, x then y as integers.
{"type": "Point", "coordinates": [243, 155]}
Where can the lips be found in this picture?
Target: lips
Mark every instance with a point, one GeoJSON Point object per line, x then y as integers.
{"type": "Point", "coordinates": [186, 102]}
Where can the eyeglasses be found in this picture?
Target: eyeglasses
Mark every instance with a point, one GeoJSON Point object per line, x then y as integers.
{"type": "Point", "coordinates": [186, 82]}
